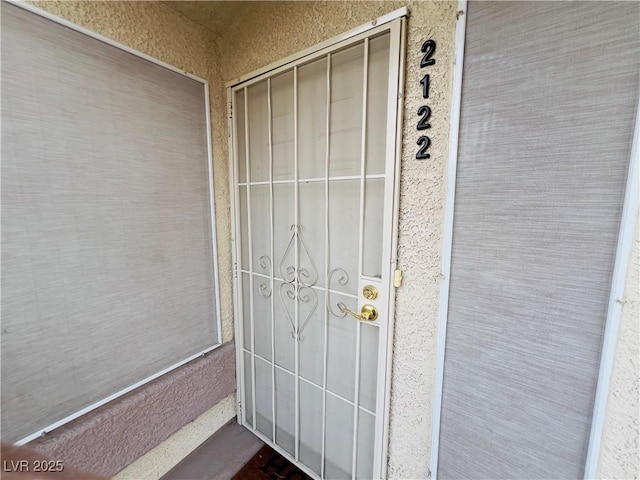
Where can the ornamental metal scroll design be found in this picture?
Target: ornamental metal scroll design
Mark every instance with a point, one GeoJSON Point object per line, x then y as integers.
{"type": "Point", "coordinates": [264, 288]}
{"type": "Point", "coordinates": [290, 273]}
{"type": "Point", "coordinates": [342, 280]}
{"type": "Point", "coordinates": [298, 282]}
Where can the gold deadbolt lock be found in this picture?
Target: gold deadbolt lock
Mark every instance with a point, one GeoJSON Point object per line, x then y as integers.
{"type": "Point", "coordinates": [370, 292]}
{"type": "Point", "coordinates": [368, 313]}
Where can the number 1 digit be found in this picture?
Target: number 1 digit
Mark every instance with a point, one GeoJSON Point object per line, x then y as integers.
{"type": "Point", "coordinates": [425, 86]}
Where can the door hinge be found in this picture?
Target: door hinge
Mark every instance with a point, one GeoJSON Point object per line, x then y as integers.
{"type": "Point", "coordinates": [230, 110]}
{"type": "Point", "coordinates": [397, 278]}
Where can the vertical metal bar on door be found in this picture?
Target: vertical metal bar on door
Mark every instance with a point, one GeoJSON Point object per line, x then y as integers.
{"type": "Point", "coordinates": [326, 266]}
{"type": "Point", "coordinates": [250, 238]}
{"type": "Point", "coordinates": [296, 195]}
{"type": "Point", "coordinates": [363, 156]}
{"type": "Point", "coordinates": [272, 263]}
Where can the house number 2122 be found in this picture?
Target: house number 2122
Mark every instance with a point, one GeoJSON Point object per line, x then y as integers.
{"type": "Point", "coordinates": [424, 112]}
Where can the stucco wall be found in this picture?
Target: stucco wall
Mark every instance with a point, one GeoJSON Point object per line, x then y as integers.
{"type": "Point", "coordinates": [161, 459]}
{"type": "Point", "coordinates": [620, 452]}
{"type": "Point", "coordinates": [267, 33]}
{"type": "Point", "coordinates": [272, 32]}
{"type": "Point", "coordinates": [113, 436]}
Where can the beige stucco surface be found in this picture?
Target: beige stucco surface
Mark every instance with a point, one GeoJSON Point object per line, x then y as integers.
{"type": "Point", "coordinates": [620, 452]}
{"type": "Point", "coordinates": [249, 35]}
{"type": "Point", "coordinates": [256, 34]}
{"type": "Point", "coordinates": [267, 33]}
{"type": "Point", "coordinates": [158, 461]}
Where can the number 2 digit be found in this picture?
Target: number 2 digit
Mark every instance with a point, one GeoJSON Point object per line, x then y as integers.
{"type": "Point", "coordinates": [423, 123]}
{"type": "Point", "coordinates": [424, 143]}
{"type": "Point", "coordinates": [428, 48]}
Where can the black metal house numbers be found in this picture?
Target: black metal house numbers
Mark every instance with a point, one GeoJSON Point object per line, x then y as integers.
{"type": "Point", "coordinates": [424, 112]}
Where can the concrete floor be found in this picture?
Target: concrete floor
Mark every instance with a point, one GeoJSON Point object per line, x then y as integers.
{"type": "Point", "coordinates": [218, 458]}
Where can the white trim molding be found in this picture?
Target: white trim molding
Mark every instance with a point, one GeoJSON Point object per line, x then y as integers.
{"type": "Point", "coordinates": [454, 131]}
{"type": "Point", "coordinates": [90, 33]}
{"type": "Point", "coordinates": [614, 311]}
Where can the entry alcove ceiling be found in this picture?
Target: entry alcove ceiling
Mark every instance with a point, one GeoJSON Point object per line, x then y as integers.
{"type": "Point", "coordinates": [231, 19]}
{"type": "Point", "coordinates": [223, 16]}
{"type": "Point", "coordinates": [216, 16]}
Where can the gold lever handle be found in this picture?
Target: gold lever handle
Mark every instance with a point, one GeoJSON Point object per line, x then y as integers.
{"type": "Point", "coordinates": [367, 313]}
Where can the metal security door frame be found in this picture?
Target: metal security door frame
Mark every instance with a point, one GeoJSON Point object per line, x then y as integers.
{"type": "Point", "coordinates": [622, 261]}
{"type": "Point", "coordinates": [395, 24]}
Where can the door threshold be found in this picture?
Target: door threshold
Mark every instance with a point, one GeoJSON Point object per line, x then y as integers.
{"type": "Point", "coordinates": [220, 457]}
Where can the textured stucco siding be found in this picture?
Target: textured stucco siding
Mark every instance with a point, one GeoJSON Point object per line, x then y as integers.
{"type": "Point", "coordinates": [267, 32]}
{"type": "Point", "coordinates": [161, 459]}
{"type": "Point", "coordinates": [111, 437]}
{"type": "Point", "coordinates": [272, 32]}
{"type": "Point", "coordinates": [620, 451]}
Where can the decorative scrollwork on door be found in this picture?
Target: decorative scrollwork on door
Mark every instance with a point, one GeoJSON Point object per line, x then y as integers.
{"type": "Point", "coordinates": [298, 282]}
{"type": "Point", "coordinates": [265, 288]}
{"type": "Point", "coordinates": [342, 280]}
{"type": "Point", "coordinates": [292, 274]}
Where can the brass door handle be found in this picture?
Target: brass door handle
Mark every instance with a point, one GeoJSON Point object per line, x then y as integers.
{"type": "Point", "coordinates": [367, 313]}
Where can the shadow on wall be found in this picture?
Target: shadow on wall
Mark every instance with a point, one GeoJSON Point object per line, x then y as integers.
{"type": "Point", "coordinates": [23, 463]}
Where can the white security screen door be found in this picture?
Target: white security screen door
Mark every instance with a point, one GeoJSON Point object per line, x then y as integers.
{"type": "Point", "coordinates": [314, 174]}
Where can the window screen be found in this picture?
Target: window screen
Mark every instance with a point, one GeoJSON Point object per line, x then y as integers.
{"type": "Point", "coordinates": [550, 91]}
{"type": "Point", "coordinates": [108, 265]}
